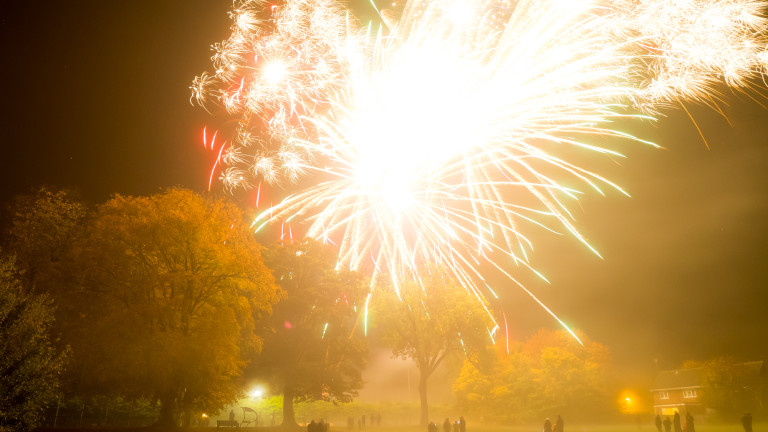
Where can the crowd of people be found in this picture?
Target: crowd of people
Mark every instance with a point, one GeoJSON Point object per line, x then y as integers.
{"type": "Point", "coordinates": [668, 424]}
{"type": "Point", "coordinates": [320, 426]}
{"type": "Point", "coordinates": [558, 425]}
{"type": "Point", "coordinates": [372, 420]}
{"type": "Point", "coordinates": [459, 425]}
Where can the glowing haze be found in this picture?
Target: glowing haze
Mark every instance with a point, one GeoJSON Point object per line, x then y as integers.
{"type": "Point", "coordinates": [446, 135]}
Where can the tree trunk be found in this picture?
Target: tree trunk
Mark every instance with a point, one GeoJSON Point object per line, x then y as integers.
{"type": "Point", "coordinates": [167, 410]}
{"type": "Point", "coordinates": [289, 417]}
{"type": "Point", "coordinates": [423, 397]}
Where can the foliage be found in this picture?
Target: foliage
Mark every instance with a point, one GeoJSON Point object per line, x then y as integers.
{"type": "Point", "coordinates": [732, 388]}
{"type": "Point", "coordinates": [29, 364]}
{"type": "Point", "coordinates": [171, 286]}
{"type": "Point", "coordinates": [311, 349]}
{"type": "Point", "coordinates": [43, 228]}
{"type": "Point", "coordinates": [102, 410]}
{"type": "Point", "coordinates": [431, 320]}
{"type": "Point", "coordinates": [549, 374]}
{"type": "Point", "coordinates": [393, 413]}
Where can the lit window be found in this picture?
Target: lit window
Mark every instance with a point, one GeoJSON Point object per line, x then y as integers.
{"type": "Point", "coordinates": [663, 395]}
{"type": "Point", "coordinates": [689, 394]}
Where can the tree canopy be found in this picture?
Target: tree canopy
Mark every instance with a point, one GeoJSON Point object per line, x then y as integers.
{"type": "Point", "coordinates": [312, 350]}
{"type": "Point", "coordinates": [29, 364]}
{"type": "Point", "coordinates": [428, 321]}
{"type": "Point", "coordinates": [548, 374]}
{"type": "Point", "coordinates": [169, 290]}
{"type": "Point", "coordinates": [731, 387]}
{"type": "Point", "coordinates": [43, 228]}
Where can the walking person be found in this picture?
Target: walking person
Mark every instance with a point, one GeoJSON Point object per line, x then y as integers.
{"type": "Point", "coordinates": [447, 425]}
{"type": "Point", "coordinates": [746, 421]}
{"type": "Point", "coordinates": [689, 423]}
{"type": "Point", "coordinates": [558, 424]}
{"type": "Point", "coordinates": [462, 424]}
{"type": "Point", "coordinates": [658, 423]}
{"type": "Point", "coordinates": [676, 422]}
{"type": "Point", "coordinates": [667, 424]}
{"type": "Point", "coordinates": [547, 426]}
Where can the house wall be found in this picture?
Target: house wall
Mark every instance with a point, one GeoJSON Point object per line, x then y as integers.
{"type": "Point", "coordinates": [681, 400]}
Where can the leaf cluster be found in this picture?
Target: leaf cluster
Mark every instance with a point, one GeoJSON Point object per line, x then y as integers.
{"type": "Point", "coordinates": [29, 363]}
{"type": "Point", "coordinates": [549, 374]}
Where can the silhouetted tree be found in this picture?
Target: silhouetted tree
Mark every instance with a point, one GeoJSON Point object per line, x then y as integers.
{"type": "Point", "coordinates": [311, 349]}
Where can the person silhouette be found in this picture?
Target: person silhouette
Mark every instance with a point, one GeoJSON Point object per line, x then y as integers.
{"type": "Point", "coordinates": [746, 421]}
{"type": "Point", "coordinates": [558, 424]}
{"type": "Point", "coordinates": [676, 422]}
{"type": "Point", "coordinates": [667, 424]}
{"type": "Point", "coordinates": [547, 426]}
{"type": "Point", "coordinates": [689, 423]}
{"type": "Point", "coordinates": [657, 420]}
{"type": "Point", "coordinates": [447, 425]}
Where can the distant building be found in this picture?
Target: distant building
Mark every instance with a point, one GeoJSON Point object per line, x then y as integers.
{"type": "Point", "coordinates": [680, 390]}
{"type": "Point", "coordinates": [677, 390]}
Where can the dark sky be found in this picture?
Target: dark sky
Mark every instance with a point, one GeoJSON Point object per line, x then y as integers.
{"type": "Point", "coordinates": [96, 97]}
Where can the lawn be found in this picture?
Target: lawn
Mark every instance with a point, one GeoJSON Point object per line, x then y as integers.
{"type": "Point", "coordinates": [633, 427]}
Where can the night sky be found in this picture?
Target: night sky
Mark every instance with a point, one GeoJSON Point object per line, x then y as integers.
{"type": "Point", "coordinates": [96, 98]}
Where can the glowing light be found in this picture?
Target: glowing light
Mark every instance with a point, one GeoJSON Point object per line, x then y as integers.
{"type": "Point", "coordinates": [448, 136]}
{"type": "Point", "coordinates": [256, 393]}
{"type": "Point", "coordinates": [275, 72]}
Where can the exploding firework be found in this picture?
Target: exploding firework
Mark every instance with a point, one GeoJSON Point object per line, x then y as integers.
{"type": "Point", "coordinates": [448, 134]}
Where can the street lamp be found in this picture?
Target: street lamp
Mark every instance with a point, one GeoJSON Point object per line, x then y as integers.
{"type": "Point", "coordinates": [256, 393]}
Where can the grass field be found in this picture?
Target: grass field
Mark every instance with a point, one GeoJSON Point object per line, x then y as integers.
{"type": "Point", "coordinates": [735, 427]}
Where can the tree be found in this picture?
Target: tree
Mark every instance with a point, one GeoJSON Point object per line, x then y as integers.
{"type": "Point", "coordinates": [312, 350]}
{"type": "Point", "coordinates": [44, 226]}
{"type": "Point", "coordinates": [430, 320]}
{"type": "Point", "coordinates": [550, 373]}
{"type": "Point", "coordinates": [170, 290]}
{"type": "Point", "coordinates": [29, 364]}
{"type": "Point", "coordinates": [730, 387]}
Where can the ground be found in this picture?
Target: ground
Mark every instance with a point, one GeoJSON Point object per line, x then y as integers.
{"type": "Point", "coordinates": [627, 427]}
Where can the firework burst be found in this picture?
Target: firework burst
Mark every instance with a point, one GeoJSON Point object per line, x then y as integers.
{"type": "Point", "coordinates": [445, 136]}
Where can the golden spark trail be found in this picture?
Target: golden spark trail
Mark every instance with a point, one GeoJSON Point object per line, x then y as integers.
{"type": "Point", "coordinates": [445, 137]}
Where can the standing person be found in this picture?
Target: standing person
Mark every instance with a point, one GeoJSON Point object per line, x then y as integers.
{"type": "Point", "coordinates": [667, 424]}
{"type": "Point", "coordinates": [658, 423]}
{"type": "Point", "coordinates": [547, 426]}
{"type": "Point", "coordinates": [462, 424]}
{"type": "Point", "coordinates": [676, 422]}
{"type": "Point", "coordinates": [558, 424]}
{"type": "Point", "coordinates": [746, 421]}
{"type": "Point", "coordinates": [447, 425]}
{"type": "Point", "coordinates": [456, 426]}
{"type": "Point", "coordinates": [689, 423]}
{"type": "Point", "coordinates": [311, 426]}
{"type": "Point", "coordinates": [231, 416]}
